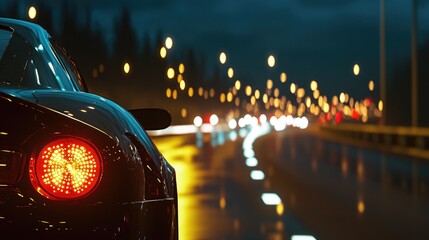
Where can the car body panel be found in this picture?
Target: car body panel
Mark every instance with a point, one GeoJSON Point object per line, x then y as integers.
{"type": "Point", "coordinates": [136, 196]}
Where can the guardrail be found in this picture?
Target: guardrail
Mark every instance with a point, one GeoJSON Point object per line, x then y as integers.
{"type": "Point", "coordinates": [403, 140]}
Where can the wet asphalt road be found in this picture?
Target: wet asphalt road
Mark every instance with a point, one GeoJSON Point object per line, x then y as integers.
{"type": "Point", "coordinates": [328, 190]}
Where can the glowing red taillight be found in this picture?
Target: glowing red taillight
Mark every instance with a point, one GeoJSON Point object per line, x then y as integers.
{"type": "Point", "coordinates": [65, 169]}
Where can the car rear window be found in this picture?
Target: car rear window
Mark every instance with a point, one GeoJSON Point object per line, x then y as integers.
{"type": "Point", "coordinates": [5, 36]}
{"type": "Point", "coordinates": [23, 66]}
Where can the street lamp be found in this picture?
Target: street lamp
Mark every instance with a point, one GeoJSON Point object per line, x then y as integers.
{"type": "Point", "coordinates": [222, 58]}
{"type": "Point", "coordinates": [168, 42]}
{"type": "Point", "coordinates": [126, 68]}
{"type": "Point", "coordinates": [356, 69]}
{"type": "Point", "coordinates": [414, 68]}
{"type": "Point", "coordinates": [271, 61]}
{"type": "Point", "coordinates": [32, 12]}
{"type": "Point", "coordinates": [382, 58]}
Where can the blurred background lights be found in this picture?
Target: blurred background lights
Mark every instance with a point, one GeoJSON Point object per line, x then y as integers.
{"type": "Point", "coordinates": [283, 77]}
{"type": "Point", "coordinates": [184, 113]}
{"type": "Point", "coordinates": [179, 78]}
{"type": "Point", "coordinates": [230, 72]}
{"type": "Point", "coordinates": [127, 68]}
{"type": "Point", "coordinates": [168, 42]}
{"type": "Point", "coordinates": [263, 118]}
{"type": "Point", "coordinates": [214, 119]}
{"type": "Point", "coordinates": [356, 69]}
{"type": "Point", "coordinates": [198, 121]}
{"type": "Point", "coordinates": [222, 97]}
{"type": "Point", "coordinates": [269, 84]}
{"type": "Point", "coordinates": [251, 162]}
{"type": "Point", "coordinates": [361, 207]}
{"type": "Point", "coordinates": [271, 198]}
{"type": "Point", "coordinates": [237, 84]}
{"type": "Point", "coordinates": [163, 52]}
{"type": "Point", "coordinates": [380, 105]}
{"type": "Point", "coordinates": [232, 124]}
{"type": "Point", "coordinates": [182, 85]}
{"type": "Point", "coordinates": [222, 58]}
{"type": "Point", "coordinates": [32, 12]}
{"type": "Point", "coordinates": [271, 61]}
{"type": "Point", "coordinates": [229, 97]}
{"type": "Point", "coordinates": [371, 85]}
{"type": "Point", "coordinates": [257, 94]}
{"type": "Point", "coordinates": [168, 92]}
{"type": "Point", "coordinates": [302, 237]}
{"type": "Point", "coordinates": [248, 153]}
{"type": "Point", "coordinates": [248, 90]}
{"type": "Point", "coordinates": [293, 88]}
{"type": "Point", "coordinates": [257, 175]}
{"type": "Point", "coordinates": [280, 209]}
{"type": "Point", "coordinates": [342, 98]}
{"type": "Point", "coordinates": [313, 85]}
{"type": "Point", "coordinates": [170, 73]}
{"type": "Point", "coordinates": [181, 68]}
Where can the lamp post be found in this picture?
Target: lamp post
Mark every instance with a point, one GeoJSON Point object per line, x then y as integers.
{"type": "Point", "coordinates": [383, 58]}
{"type": "Point", "coordinates": [414, 68]}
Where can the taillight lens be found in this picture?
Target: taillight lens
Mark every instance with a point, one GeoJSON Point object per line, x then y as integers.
{"type": "Point", "coordinates": [66, 168]}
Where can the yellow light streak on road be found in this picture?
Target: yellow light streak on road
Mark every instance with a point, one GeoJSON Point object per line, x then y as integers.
{"type": "Point", "coordinates": [182, 154]}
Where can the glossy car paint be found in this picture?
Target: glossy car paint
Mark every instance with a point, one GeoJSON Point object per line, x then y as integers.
{"type": "Point", "coordinates": [136, 196]}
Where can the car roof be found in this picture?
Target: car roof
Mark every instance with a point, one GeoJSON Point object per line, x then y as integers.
{"type": "Point", "coordinates": [31, 32]}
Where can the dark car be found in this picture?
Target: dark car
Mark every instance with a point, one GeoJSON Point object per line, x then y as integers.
{"type": "Point", "coordinates": [74, 164]}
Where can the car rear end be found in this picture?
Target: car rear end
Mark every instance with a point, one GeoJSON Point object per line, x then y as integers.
{"type": "Point", "coordinates": [51, 169]}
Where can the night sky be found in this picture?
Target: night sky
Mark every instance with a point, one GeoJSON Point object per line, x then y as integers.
{"type": "Point", "coordinates": [311, 39]}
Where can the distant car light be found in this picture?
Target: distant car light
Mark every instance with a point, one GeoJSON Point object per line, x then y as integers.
{"type": "Point", "coordinates": [263, 118]}
{"type": "Point", "coordinates": [273, 120]}
{"type": "Point", "coordinates": [271, 198]}
{"type": "Point", "coordinates": [214, 120]}
{"type": "Point", "coordinates": [303, 123]}
{"type": "Point", "coordinates": [232, 124]}
{"type": "Point", "coordinates": [289, 120]}
{"type": "Point", "coordinates": [302, 237]}
{"type": "Point", "coordinates": [257, 175]}
{"type": "Point", "coordinates": [241, 123]}
{"type": "Point", "coordinates": [251, 162]}
{"type": "Point", "coordinates": [198, 121]}
{"type": "Point", "coordinates": [248, 153]}
{"type": "Point", "coordinates": [66, 168]}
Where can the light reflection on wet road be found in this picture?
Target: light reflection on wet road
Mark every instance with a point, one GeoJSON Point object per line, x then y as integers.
{"type": "Point", "coordinates": [344, 192]}
{"type": "Point", "coordinates": [217, 199]}
{"type": "Point", "coordinates": [329, 190]}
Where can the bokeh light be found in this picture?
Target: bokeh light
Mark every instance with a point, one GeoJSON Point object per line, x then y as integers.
{"type": "Point", "coordinates": [32, 12]}
{"type": "Point", "coordinates": [371, 85]}
{"type": "Point", "coordinates": [222, 58]}
{"type": "Point", "coordinates": [237, 84]}
{"type": "Point", "coordinates": [313, 85]}
{"type": "Point", "coordinates": [293, 88]}
{"type": "Point", "coordinates": [230, 72]}
{"type": "Point", "coordinates": [283, 77]}
{"type": "Point", "coordinates": [271, 61]}
{"type": "Point", "coordinates": [170, 73]}
{"type": "Point", "coordinates": [168, 42]}
{"type": "Point", "coordinates": [356, 69]}
{"type": "Point", "coordinates": [127, 68]}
